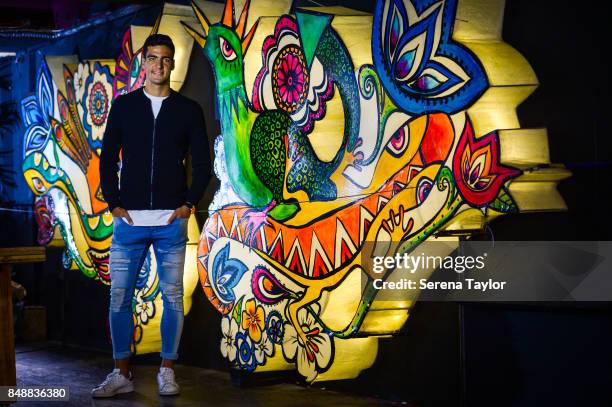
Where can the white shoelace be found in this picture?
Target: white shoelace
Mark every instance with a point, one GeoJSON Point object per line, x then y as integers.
{"type": "Point", "coordinates": [167, 377]}
{"type": "Point", "coordinates": [112, 377]}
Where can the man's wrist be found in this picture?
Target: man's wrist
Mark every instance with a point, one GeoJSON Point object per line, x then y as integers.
{"type": "Point", "coordinates": [190, 206]}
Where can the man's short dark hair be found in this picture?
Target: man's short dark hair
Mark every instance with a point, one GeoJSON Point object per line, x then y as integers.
{"type": "Point", "coordinates": [157, 39]}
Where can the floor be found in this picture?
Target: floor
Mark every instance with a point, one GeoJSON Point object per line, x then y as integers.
{"type": "Point", "coordinates": [48, 364]}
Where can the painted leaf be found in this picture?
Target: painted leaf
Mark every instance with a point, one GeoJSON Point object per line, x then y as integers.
{"type": "Point", "coordinates": [504, 202]}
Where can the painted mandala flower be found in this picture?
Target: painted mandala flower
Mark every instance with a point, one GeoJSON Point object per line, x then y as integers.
{"type": "Point", "coordinates": [289, 79]}
{"type": "Point", "coordinates": [253, 319]}
{"type": "Point", "coordinates": [229, 328]}
{"type": "Point", "coordinates": [285, 80]}
{"type": "Point", "coordinates": [144, 309]}
{"type": "Point", "coordinates": [97, 101]}
{"type": "Point", "coordinates": [476, 167]}
{"type": "Point", "coordinates": [264, 348]}
{"type": "Point", "coordinates": [315, 355]}
{"type": "Point", "coordinates": [246, 353]}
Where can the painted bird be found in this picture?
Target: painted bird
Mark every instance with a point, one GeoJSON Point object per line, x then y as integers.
{"type": "Point", "coordinates": [258, 138]}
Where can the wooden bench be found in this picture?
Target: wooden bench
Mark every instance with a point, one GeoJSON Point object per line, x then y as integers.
{"type": "Point", "coordinates": [8, 257]}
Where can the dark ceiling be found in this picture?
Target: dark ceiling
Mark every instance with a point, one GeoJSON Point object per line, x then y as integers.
{"type": "Point", "coordinates": [59, 14]}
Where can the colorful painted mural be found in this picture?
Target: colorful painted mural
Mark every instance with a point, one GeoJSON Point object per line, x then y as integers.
{"type": "Point", "coordinates": [65, 120]}
{"type": "Point", "coordinates": [281, 254]}
{"type": "Point", "coordinates": [341, 132]}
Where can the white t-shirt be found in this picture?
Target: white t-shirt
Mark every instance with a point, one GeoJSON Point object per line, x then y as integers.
{"type": "Point", "coordinates": [152, 217]}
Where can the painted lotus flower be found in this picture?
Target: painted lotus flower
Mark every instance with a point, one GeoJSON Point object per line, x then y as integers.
{"type": "Point", "coordinates": [476, 167]}
{"type": "Point", "coordinates": [253, 319]}
{"type": "Point", "coordinates": [226, 272]}
{"type": "Point", "coordinates": [315, 355]}
{"type": "Point", "coordinates": [229, 329]}
{"type": "Point", "coordinates": [420, 66]}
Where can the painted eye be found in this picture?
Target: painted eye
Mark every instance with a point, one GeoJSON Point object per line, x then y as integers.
{"type": "Point", "coordinates": [39, 186]}
{"type": "Point", "coordinates": [226, 49]}
{"type": "Point", "coordinates": [423, 189]}
{"type": "Point", "coordinates": [399, 141]}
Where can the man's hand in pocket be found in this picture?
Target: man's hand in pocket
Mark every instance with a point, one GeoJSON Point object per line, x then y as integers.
{"type": "Point", "coordinates": [182, 212]}
{"type": "Point", "coordinates": [122, 213]}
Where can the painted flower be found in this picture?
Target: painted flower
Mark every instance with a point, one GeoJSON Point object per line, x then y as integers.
{"type": "Point", "coordinates": [246, 352]}
{"type": "Point", "coordinates": [229, 328]}
{"type": "Point", "coordinates": [315, 355]}
{"type": "Point", "coordinates": [225, 274]}
{"type": "Point", "coordinates": [80, 79]}
{"type": "Point", "coordinates": [275, 327]}
{"type": "Point", "coordinates": [476, 167]}
{"type": "Point", "coordinates": [36, 110]}
{"type": "Point", "coordinates": [144, 309]}
{"type": "Point", "coordinates": [420, 67]}
{"type": "Point", "coordinates": [97, 100]}
{"type": "Point", "coordinates": [253, 319]}
{"type": "Point", "coordinates": [264, 348]}
{"type": "Point", "coordinates": [290, 79]}
{"type": "Point", "coordinates": [286, 81]}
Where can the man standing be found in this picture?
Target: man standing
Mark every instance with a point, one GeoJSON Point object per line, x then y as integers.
{"type": "Point", "coordinates": [152, 128]}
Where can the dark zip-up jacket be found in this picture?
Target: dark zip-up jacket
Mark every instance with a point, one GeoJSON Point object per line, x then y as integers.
{"type": "Point", "coordinates": [153, 174]}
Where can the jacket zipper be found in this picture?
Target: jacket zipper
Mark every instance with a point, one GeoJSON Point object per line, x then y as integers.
{"type": "Point", "coordinates": [152, 156]}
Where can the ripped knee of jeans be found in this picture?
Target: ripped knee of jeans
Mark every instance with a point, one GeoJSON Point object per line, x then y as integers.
{"type": "Point", "coordinates": [120, 300]}
{"type": "Point", "coordinates": [172, 296]}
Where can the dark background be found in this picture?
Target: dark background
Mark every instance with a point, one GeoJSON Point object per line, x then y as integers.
{"type": "Point", "coordinates": [446, 354]}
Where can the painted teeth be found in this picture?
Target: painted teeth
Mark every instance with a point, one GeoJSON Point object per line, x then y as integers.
{"type": "Point", "coordinates": [37, 158]}
{"type": "Point", "coordinates": [97, 255]}
{"type": "Point", "coordinates": [93, 222]}
{"type": "Point", "coordinates": [107, 218]}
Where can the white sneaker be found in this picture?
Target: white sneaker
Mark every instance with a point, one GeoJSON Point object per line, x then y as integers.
{"type": "Point", "coordinates": [115, 383]}
{"type": "Point", "coordinates": [166, 382]}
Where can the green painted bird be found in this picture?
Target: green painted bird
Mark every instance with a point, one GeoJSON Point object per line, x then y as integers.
{"type": "Point", "coordinates": [257, 139]}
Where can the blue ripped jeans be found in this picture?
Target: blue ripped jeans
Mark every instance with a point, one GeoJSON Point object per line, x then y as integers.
{"type": "Point", "coordinates": [128, 251]}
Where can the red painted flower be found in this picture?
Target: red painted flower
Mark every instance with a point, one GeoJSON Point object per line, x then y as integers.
{"type": "Point", "coordinates": [290, 79]}
{"type": "Point", "coordinates": [476, 167]}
